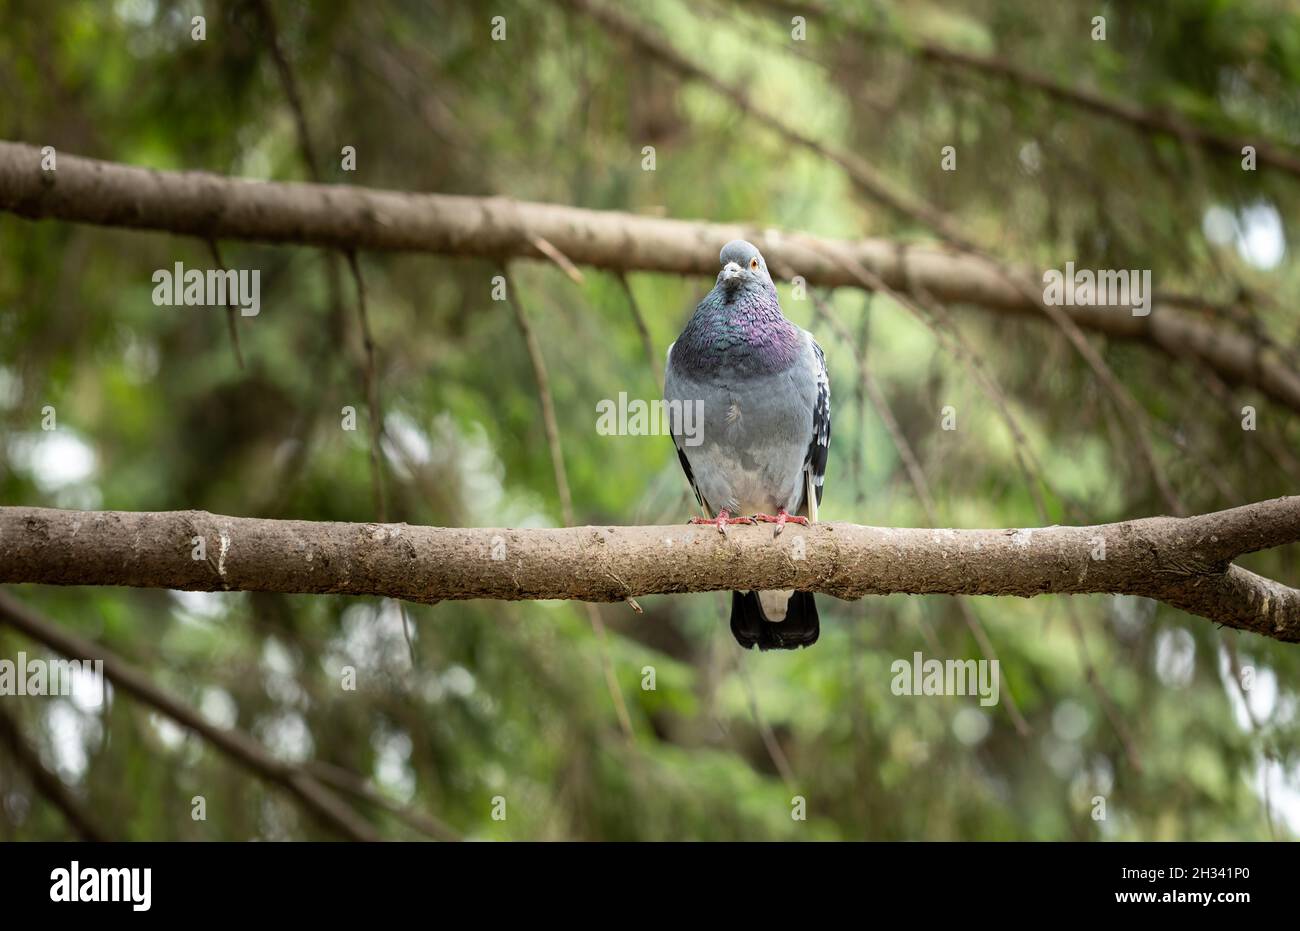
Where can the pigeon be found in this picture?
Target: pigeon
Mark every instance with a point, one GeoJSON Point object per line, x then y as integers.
{"type": "Point", "coordinates": [759, 387]}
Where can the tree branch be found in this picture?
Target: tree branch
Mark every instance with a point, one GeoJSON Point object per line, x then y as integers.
{"type": "Point", "coordinates": [1185, 562]}
{"type": "Point", "coordinates": [351, 217]}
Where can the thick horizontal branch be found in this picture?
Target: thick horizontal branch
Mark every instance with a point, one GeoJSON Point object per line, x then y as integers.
{"type": "Point", "coordinates": [1186, 562]}
{"type": "Point", "coordinates": [212, 206]}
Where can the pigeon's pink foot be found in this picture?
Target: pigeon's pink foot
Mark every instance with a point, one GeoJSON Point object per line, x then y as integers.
{"type": "Point", "coordinates": [721, 521]}
{"type": "Point", "coordinates": [781, 519]}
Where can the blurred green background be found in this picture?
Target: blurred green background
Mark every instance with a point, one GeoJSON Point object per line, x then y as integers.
{"type": "Point", "coordinates": [1123, 698]}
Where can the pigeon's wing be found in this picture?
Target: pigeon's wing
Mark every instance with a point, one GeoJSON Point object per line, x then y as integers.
{"type": "Point", "coordinates": [820, 446]}
{"type": "Point", "coordinates": [690, 476]}
{"type": "Point", "coordinates": [681, 455]}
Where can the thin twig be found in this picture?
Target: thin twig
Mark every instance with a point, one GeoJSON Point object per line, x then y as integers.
{"type": "Point", "coordinates": [370, 379]}
{"type": "Point", "coordinates": [231, 315]}
{"type": "Point", "coordinates": [544, 398]}
{"type": "Point", "coordinates": [559, 258]}
{"type": "Point", "coordinates": [651, 356]}
{"type": "Point", "coordinates": [290, 85]}
{"type": "Point", "coordinates": [562, 486]}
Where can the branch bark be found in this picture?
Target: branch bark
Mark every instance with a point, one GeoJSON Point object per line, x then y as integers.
{"type": "Point", "coordinates": [1185, 562]}
{"type": "Point", "coordinates": [212, 206]}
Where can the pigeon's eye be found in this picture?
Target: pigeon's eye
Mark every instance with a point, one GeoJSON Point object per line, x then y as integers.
{"type": "Point", "coordinates": [753, 263]}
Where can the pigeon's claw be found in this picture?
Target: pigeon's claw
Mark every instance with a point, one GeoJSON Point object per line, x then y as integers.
{"type": "Point", "coordinates": [721, 521]}
{"type": "Point", "coordinates": [781, 519]}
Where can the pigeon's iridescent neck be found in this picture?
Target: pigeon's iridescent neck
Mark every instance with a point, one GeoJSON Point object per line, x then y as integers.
{"type": "Point", "coordinates": [744, 331]}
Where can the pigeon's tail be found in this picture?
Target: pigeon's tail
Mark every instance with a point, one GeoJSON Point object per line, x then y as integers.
{"type": "Point", "coordinates": [750, 626]}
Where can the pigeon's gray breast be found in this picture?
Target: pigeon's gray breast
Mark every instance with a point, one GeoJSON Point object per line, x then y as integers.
{"type": "Point", "coordinates": [755, 434]}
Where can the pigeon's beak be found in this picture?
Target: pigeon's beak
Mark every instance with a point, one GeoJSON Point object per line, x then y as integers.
{"type": "Point", "coordinates": [730, 273]}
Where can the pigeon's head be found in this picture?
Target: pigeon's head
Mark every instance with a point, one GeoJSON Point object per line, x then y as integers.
{"type": "Point", "coordinates": [743, 268]}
